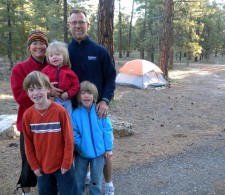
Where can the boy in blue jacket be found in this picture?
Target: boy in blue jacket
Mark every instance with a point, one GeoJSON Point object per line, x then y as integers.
{"type": "Point", "coordinates": [93, 139]}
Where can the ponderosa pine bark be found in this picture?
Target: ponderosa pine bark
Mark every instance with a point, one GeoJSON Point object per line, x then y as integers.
{"type": "Point", "coordinates": [166, 37]}
{"type": "Point", "coordinates": [105, 25]}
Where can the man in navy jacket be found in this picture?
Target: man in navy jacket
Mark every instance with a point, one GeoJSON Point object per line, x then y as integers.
{"type": "Point", "coordinates": [92, 62]}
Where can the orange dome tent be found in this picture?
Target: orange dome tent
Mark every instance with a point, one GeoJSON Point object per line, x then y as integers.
{"type": "Point", "coordinates": [141, 74]}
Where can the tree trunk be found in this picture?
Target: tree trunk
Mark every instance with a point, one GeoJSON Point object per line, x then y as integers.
{"type": "Point", "coordinates": [105, 25]}
{"type": "Point", "coordinates": [9, 45]}
{"type": "Point", "coordinates": [165, 42]}
{"type": "Point", "coordinates": [188, 58]}
{"type": "Point", "coordinates": [120, 32]}
{"type": "Point", "coordinates": [171, 59]}
{"type": "Point", "coordinates": [130, 28]}
{"type": "Point", "coordinates": [65, 31]}
{"type": "Point", "coordinates": [142, 53]}
{"type": "Point", "coordinates": [143, 35]}
{"type": "Point", "coordinates": [171, 49]}
{"type": "Point", "coordinates": [152, 59]}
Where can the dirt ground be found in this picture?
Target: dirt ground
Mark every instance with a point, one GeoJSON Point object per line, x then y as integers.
{"type": "Point", "coordinates": [166, 121]}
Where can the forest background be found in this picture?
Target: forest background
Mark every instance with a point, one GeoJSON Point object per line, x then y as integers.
{"type": "Point", "coordinates": [160, 31]}
{"type": "Point", "coordinates": [184, 118]}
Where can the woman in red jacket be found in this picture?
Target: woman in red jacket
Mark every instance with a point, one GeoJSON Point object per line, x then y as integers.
{"type": "Point", "coordinates": [37, 44]}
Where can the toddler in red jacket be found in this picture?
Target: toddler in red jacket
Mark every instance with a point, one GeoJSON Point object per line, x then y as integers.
{"type": "Point", "coordinates": [60, 74]}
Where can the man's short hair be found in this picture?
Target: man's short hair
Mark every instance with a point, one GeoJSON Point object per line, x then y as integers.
{"type": "Point", "coordinates": [78, 11]}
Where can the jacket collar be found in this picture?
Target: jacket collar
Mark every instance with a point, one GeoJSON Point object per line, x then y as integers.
{"type": "Point", "coordinates": [44, 62]}
{"type": "Point", "coordinates": [86, 40]}
{"type": "Point", "coordinates": [66, 66]}
{"type": "Point", "coordinates": [92, 108]}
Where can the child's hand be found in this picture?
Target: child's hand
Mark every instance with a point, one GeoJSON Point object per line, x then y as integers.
{"type": "Point", "coordinates": [64, 96]}
{"type": "Point", "coordinates": [51, 98]}
{"type": "Point", "coordinates": [55, 92]}
{"type": "Point", "coordinates": [108, 154]}
{"type": "Point", "coordinates": [63, 171]}
{"type": "Point", "coordinates": [38, 172]}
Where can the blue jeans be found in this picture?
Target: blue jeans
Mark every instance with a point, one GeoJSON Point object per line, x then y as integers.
{"type": "Point", "coordinates": [66, 104]}
{"type": "Point", "coordinates": [96, 167]}
{"type": "Point", "coordinates": [47, 184]}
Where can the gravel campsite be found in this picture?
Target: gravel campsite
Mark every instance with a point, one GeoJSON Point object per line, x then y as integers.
{"type": "Point", "coordinates": [178, 142]}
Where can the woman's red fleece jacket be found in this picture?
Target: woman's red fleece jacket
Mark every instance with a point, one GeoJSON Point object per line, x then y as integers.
{"type": "Point", "coordinates": [19, 72]}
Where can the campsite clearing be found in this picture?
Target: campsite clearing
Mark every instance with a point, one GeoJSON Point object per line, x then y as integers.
{"type": "Point", "coordinates": [166, 121]}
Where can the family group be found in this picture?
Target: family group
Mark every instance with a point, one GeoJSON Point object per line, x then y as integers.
{"type": "Point", "coordinates": [63, 94]}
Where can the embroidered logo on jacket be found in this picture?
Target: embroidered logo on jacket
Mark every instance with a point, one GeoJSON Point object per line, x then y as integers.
{"type": "Point", "coordinates": [92, 57]}
{"type": "Point", "coordinates": [46, 127]}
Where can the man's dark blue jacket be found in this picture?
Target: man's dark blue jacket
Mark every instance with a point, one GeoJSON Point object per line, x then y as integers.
{"type": "Point", "coordinates": [92, 62]}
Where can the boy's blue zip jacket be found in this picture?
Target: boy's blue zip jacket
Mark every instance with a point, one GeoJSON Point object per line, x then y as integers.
{"type": "Point", "coordinates": [92, 136]}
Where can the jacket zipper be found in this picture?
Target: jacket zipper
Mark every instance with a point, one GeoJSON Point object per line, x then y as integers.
{"type": "Point", "coordinates": [57, 77]}
{"type": "Point", "coordinates": [92, 136]}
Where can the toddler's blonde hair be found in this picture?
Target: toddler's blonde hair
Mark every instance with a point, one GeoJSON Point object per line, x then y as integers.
{"type": "Point", "coordinates": [59, 48]}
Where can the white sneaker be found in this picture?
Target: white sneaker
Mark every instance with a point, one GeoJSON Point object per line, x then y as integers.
{"type": "Point", "coordinates": [109, 190]}
{"type": "Point", "coordinates": [87, 180]}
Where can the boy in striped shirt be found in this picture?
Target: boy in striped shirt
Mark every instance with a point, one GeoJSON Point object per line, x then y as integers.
{"type": "Point", "coordinates": [49, 142]}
